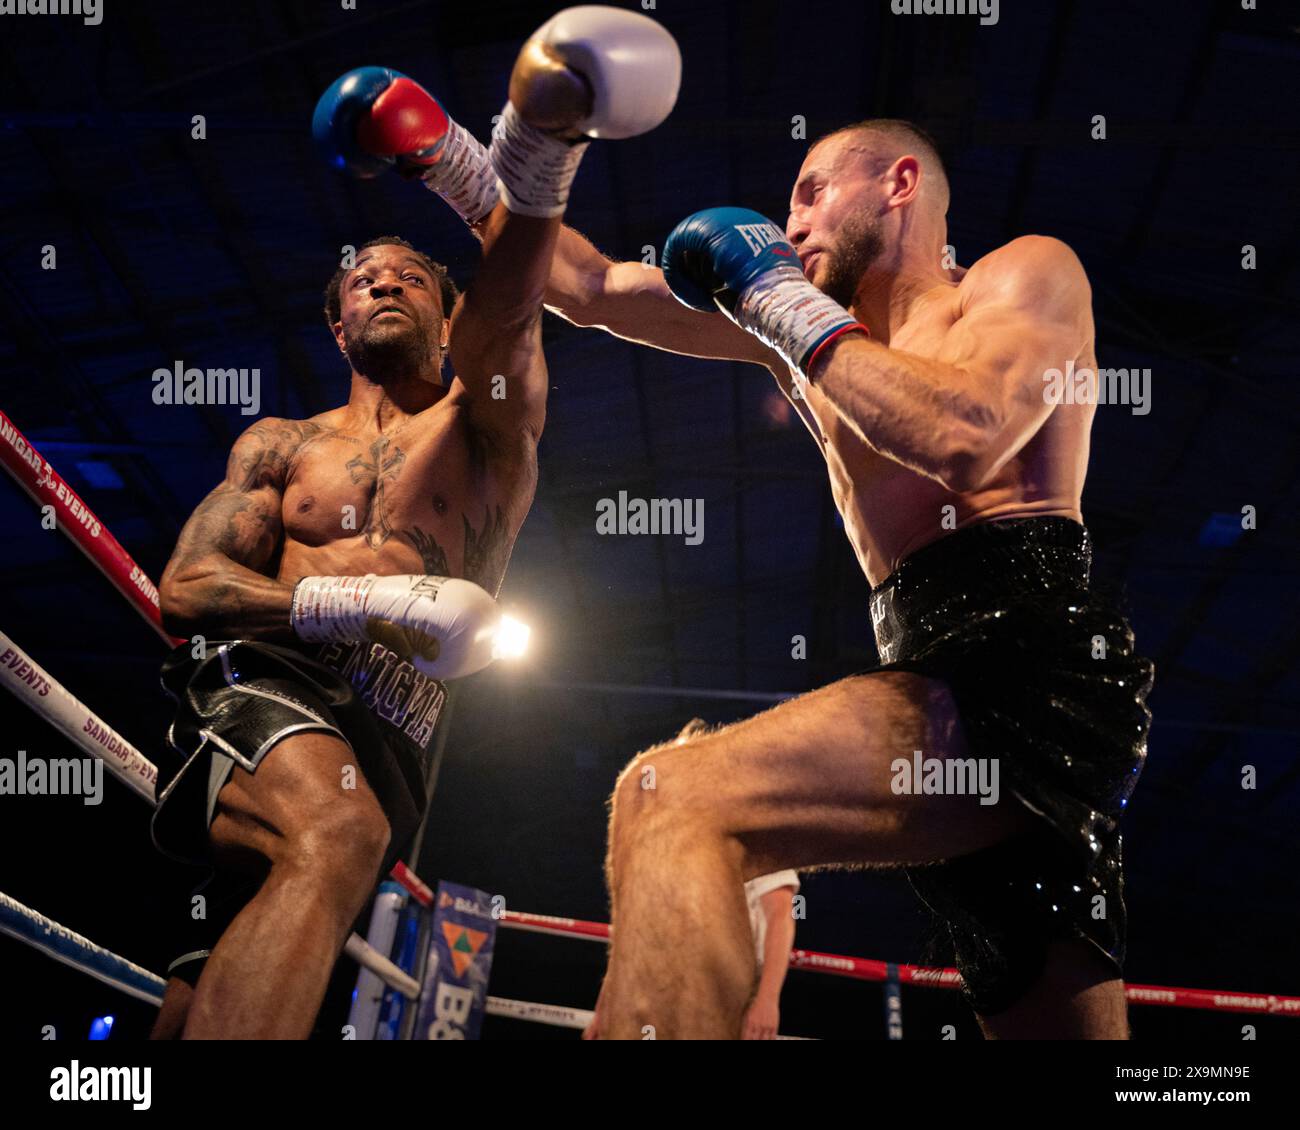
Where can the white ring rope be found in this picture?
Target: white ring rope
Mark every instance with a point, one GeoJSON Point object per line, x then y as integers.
{"type": "Point", "coordinates": [32, 684]}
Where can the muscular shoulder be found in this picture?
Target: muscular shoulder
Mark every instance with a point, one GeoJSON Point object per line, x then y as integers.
{"type": "Point", "coordinates": [262, 455]}
{"type": "Point", "coordinates": [1034, 272]}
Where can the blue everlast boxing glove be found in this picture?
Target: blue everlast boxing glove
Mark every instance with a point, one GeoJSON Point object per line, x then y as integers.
{"type": "Point", "coordinates": [740, 262]}
{"type": "Point", "coordinates": [374, 119]}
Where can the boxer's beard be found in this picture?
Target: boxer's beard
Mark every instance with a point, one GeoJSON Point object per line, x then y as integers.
{"type": "Point", "coordinates": [385, 352]}
{"type": "Point", "coordinates": [858, 244]}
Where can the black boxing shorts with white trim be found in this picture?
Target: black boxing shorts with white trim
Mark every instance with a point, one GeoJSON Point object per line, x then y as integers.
{"type": "Point", "coordinates": [1043, 671]}
{"type": "Point", "coordinates": [240, 700]}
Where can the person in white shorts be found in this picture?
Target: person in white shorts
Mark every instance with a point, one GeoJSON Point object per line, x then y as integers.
{"type": "Point", "coordinates": [771, 917]}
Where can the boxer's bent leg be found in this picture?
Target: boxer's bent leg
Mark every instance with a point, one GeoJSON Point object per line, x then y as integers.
{"type": "Point", "coordinates": [1077, 997]}
{"type": "Point", "coordinates": [805, 783]}
{"type": "Point", "coordinates": [320, 845]}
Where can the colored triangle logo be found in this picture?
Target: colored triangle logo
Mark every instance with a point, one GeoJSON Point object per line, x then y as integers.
{"type": "Point", "coordinates": [464, 944]}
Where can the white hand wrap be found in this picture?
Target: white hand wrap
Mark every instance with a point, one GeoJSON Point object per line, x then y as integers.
{"type": "Point", "coordinates": [331, 608]}
{"type": "Point", "coordinates": [536, 168]}
{"type": "Point", "coordinates": [785, 310]}
{"type": "Point", "coordinates": [464, 176]}
{"type": "Point", "coordinates": [461, 617]}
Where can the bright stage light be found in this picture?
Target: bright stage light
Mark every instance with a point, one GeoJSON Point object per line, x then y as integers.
{"type": "Point", "coordinates": [511, 639]}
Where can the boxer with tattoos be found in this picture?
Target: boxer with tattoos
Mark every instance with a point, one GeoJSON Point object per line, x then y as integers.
{"type": "Point", "coordinates": [349, 562]}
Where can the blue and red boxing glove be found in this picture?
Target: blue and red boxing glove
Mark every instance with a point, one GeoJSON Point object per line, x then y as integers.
{"type": "Point", "coordinates": [375, 119]}
{"type": "Point", "coordinates": [738, 261]}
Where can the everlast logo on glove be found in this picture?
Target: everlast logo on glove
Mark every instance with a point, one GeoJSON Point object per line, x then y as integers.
{"type": "Point", "coordinates": [759, 236]}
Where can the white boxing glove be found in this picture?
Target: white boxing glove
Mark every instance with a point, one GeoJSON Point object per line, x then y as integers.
{"type": "Point", "coordinates": [631, 61]}
{"type": "Point", "coordinates": [445, 626]}
{"type": "Point", "coordinates": [624, 64]}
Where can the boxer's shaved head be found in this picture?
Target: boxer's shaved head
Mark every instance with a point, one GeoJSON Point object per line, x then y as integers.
{"type": "Point", "coordinates": [868, 195]}
{"type": "Point", "coordinates": [882, 141]}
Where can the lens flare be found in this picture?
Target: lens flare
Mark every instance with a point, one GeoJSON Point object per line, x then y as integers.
{"type": "Point", "coordinates": [511, 639]}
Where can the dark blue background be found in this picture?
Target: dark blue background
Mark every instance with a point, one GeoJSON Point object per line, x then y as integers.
{"type": "Point", "coordinates": [215, 252]}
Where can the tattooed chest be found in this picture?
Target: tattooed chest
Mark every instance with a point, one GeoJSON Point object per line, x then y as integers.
{"type": "Point", "coordinates": [395, 511]}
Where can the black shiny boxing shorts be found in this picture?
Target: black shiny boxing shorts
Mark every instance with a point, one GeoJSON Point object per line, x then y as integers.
{"type": "Point", "coordinates": [1045, 678]}
{"type": "Point", "coordinates": [236, 703]}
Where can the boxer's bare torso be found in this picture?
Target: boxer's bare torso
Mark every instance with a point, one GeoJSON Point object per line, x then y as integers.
{"type": "Point", "coordinates": [426, 496]}
{"type": "Point", "coordinates": [890, 511]}
{"type": "Point", "coordinates": [411, 476]}
{"type": "Point", "coordinates": [988, 317]}
{"type": "Point", "coordinates": [337, 495]}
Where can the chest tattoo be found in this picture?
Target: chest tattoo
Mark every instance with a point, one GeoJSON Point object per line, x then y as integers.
{"type": "Point", "coordinates": [432, 555]}
{"type": "Point", "coordinates": [382, 467]}
{"type": "Point", "coordinates": [487, 550]}
{"type": "Point", "coordinates": [486, 553]}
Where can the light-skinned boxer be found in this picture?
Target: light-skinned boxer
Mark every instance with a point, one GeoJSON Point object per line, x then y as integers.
{"type": "Point", "coordinates": [927, 389]}
{"type": "Point", "coordinates": [993, 750]}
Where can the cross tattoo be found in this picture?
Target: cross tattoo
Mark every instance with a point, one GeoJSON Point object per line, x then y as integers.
{"type": "Point", "coordinates": [378, 530]}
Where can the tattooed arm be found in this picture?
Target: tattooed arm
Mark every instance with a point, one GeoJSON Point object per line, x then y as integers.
{"type": "Point", "coordinates": [214, 584]}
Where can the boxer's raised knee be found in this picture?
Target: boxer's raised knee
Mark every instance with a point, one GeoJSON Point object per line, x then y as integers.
{"type": "Point", "coordinates": [628, 804]}
{"type": "Point", "coordinates": [659, 790]}
{"type": "Point", "coordinates": [666, 777]}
